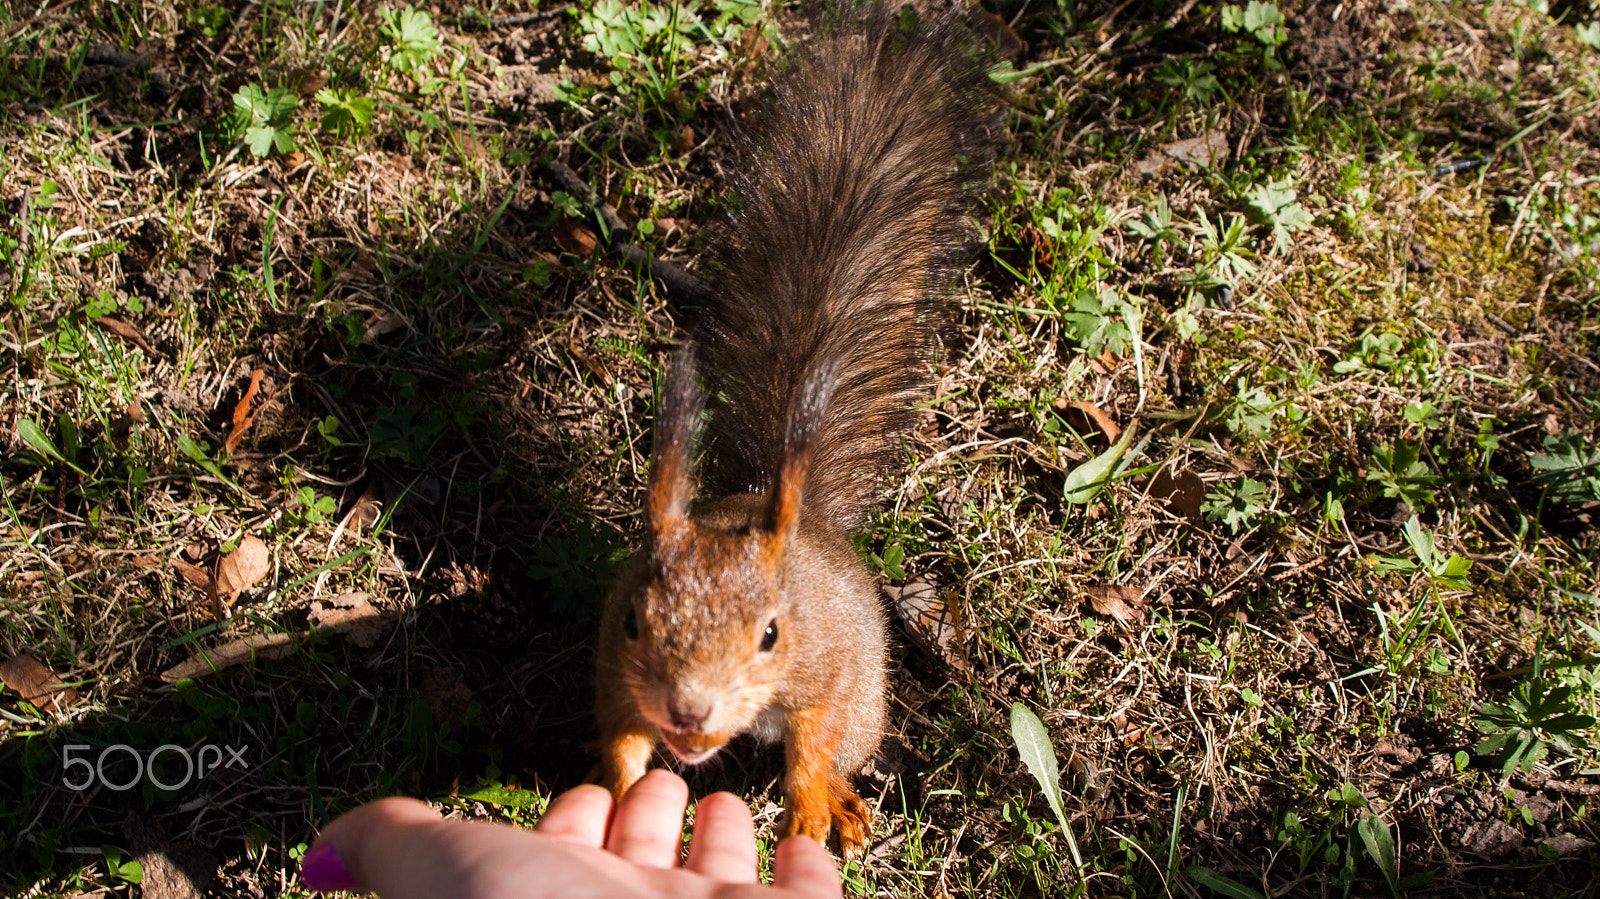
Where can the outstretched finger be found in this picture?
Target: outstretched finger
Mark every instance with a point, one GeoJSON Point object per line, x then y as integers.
{"type": "Point", "coordinates": [579, 816]}
{"type": "Point", "coordinates": [803, 866]}
{"type": "Point", "coordinates": [724, 843]}
{"type": "Point", "coordinates": [389, 846]}
{"type": "Point", "coordinates": [401, 849]}
{"type": "Point", "coordinates": [647, 828]}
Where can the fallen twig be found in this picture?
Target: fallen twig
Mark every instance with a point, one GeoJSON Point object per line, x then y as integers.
{"type": "Point", "coordinates": [679, 282]}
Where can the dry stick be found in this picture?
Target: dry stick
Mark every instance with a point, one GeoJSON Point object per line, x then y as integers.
{"type": "Point", "coordinates": [107, 55]}
{"type": "Point", "coordinates": [1167, 25]}
{"type": "Point", "coordinates": [1558, 786]}
{"type": "Point", "coordinates": [34, 19]}
{"type": "Point", "coordinates": [682, 284]}
{"type": "Point", "coordinates": [233, 29]}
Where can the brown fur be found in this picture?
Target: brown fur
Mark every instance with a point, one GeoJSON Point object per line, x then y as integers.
{"type": "Point", "coordinates": [752, 612]}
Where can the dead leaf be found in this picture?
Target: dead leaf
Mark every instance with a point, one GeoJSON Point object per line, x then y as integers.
{"type": "Point", "coordinates": [1117, 602]}
{"type": "Point", "coordinates": [1129, 732]}
{"type": "Point", "coordinates": [1002, 40]}
{"type": "Point", "coordinates": [241, 569]}
{"type": "Point", "coordinates": [364, 514]}
{"type": "Point", "coordinates": [369, 508]}
{"type": "Point", "coordinates": [1084, 774]}
{"type": "Point", "coordinates": [128, 332]}
{"type": "Point", "coordinates": [1184, 492]}
{"type": "Point", "coordinates": [362, 267]}
{"type": "Point", "coordinates": [241, 413]}
{"type": "Point", "coordinates": [931, 619]}
{"type": "Point", "coordinates": [472, 147]}
{"type": "Point", "coordinates": [385, 321]}
{"type": "Point", "coordinates": [122, 427]}
{"type": "Point", "coordinates": [575, 238]}
{"type": "Point", "coordinates": [1089, 412]}
{"type": "Point", "coordinates": [353, 616]}
{"type": "Point", "coordinates": [1205, 151]}
{"type": "Point", "coordinates": [684, 141]}
{"type": "Point", "coordinates": [307, 81]}
{"type": "Point", "coordinates": [594, 365]}
{"type": "Point", "coordinates": [202, 579]}
{"type": "Point", "coordinates": [1043, 248]}
{"type": "Point", "coordinates": [265, 646]}
{"type": "Point", "coordinates": [36, 683]}
{"type": "Point", "coordinates": [195, 575]}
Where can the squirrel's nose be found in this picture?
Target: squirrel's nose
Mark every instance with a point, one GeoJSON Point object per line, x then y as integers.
{"type": "Point", "coordinates": [688, 715]}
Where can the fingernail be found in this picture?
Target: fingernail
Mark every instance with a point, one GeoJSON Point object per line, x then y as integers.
{"type": "Point", "coordinates": [321, 870]}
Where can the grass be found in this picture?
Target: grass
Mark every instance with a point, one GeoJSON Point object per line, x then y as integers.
{"type": "Point", "coordinates": [1335, 268]}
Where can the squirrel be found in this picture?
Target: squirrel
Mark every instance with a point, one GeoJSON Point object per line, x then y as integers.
{"type": "Point", "coordinates": [752, 612]}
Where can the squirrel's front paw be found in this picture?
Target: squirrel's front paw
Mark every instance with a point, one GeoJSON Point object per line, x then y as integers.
{"type": "Point", "coordinates": [618, 785]}
{"type": "Point", "coordinates": [852, 822]}
{"type": "Point", "coordinates": [809, 822]}
{"type": "Point", "coordinates": [842, 812]}
{"type": "Point", "coordinates": [623, 760]}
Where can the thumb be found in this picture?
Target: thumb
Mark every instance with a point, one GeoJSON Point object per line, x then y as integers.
{"type": "Point", "coordinates": [380, 847]}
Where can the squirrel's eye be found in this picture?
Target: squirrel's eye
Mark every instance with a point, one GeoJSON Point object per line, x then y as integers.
{"type": "Point", "coordinates": [630, 625]}
{"type": "Point", "coordinates": [769, 639]}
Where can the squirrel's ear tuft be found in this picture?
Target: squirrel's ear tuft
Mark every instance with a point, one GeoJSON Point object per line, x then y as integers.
{"type": "Point", "coordinates": [678, 406]}
{"type": "Point", "coordinates": [807, 411]}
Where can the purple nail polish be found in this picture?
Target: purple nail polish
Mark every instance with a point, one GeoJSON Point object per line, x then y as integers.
{"type": "Point", "coordinates": [321, 870]}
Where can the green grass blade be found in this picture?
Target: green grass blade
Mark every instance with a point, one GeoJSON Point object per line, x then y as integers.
{"type": "Point", "coordinates": [1217, 883]}
{"type": "Point", "coordinates": [198, 456]}
{"type": "Point", "coordinates": [34, 436]}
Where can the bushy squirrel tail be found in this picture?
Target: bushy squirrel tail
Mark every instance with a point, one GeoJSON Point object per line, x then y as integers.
{"type": "Point", "coordinates": [841, 255]}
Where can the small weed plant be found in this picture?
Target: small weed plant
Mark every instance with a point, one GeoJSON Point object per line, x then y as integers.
{"type": "Point", "coordinates": [1538, 715]}
{"type": "Point", "coordinates": [413, 39]}
{"type": "Point", "coordinates": [264, 119]}
{"type": "Point", "coordinates": [1241, 505]}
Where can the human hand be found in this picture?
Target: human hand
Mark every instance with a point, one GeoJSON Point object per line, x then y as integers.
{"type": "Point", "coordinates": [400, 848]}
